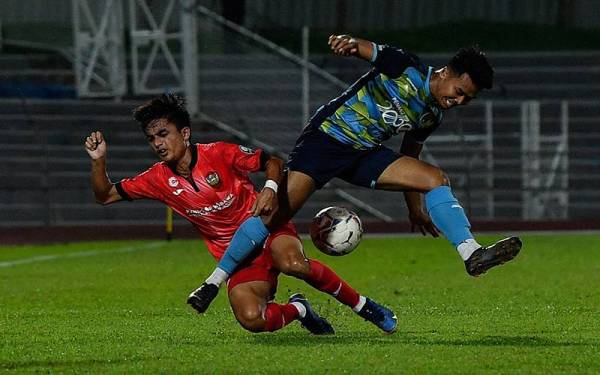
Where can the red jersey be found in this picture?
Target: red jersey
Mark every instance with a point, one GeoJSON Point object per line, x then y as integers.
{"type": "Point", "coordinates": [219, 199]}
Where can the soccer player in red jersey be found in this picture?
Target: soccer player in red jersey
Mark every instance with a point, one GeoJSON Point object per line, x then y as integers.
{"type": "Point", "coordinates": [208, 184]}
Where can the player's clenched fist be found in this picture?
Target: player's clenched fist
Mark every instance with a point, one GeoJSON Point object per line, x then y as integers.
{"type": "Point", "coordinates": [95, 145]}
{"type": "Point", "coordinates": [343, 45]}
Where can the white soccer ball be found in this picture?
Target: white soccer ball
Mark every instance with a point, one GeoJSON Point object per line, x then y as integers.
{"type": "Point", "coordinates": [336, 231]}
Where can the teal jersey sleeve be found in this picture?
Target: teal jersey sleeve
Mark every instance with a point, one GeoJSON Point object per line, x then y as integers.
{"type": "Point", "coordinates": [390, 99]}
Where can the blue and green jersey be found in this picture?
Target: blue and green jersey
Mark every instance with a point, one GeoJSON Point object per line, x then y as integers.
{"type": "Point", "coordinates": [390, 99]}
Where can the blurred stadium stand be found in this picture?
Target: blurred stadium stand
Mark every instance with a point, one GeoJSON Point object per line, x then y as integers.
{"type": "Point", "coordinates": [44, 171]}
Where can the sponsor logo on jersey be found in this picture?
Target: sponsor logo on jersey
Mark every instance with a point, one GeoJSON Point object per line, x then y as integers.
{"type": "Point", "coordinates": [221, 205]}
{"type": "Point", "coordinates": [394, 115]}
{"type": "Point", "coordinates": [173, 181]}
{"type": "Point", "coordinates": [178, 191]}
{"type": "Point", "coordinates": [212, 179]}
{"type": "Point", "coordinates": [247, 150]}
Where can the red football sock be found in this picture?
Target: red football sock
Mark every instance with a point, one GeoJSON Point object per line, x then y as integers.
{"type": "Point", "coordinates": [278, 316]}
{"type": "Point", "coordinates": [324, 279]}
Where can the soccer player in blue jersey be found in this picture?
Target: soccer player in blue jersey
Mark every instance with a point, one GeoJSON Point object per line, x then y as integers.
{"type": "Point", "coordinates": [343, 139]}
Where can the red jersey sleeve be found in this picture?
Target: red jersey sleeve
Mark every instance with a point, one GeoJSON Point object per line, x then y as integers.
{"type": "Point", "coordinates": [140, 186]}
{"type": "Point", "coordinates": [243, 159]}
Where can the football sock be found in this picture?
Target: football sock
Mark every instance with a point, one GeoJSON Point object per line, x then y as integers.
{"type": "Point", "coordinates": [361, 302]}
{"type": "Point", "coordinates": [251, 234]}
{"type": "Point", "coordinates": [324, 279]}
{"type": "Point", "coordinates": [278, 316]}
{"type": "Point", "coordinates": [217, 277]}
{"type": "Point", "coordinates": [448, 215]}
{"type": "Point", "coordinates": [466, 248]}
{"type": "Point", "coordinates": [301, 309]}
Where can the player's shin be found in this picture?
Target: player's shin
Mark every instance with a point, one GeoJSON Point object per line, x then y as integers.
{"type": "Point", "coordinates": [449, 217]}
{"type": "Point", "coordinates": [326, 280]}
{"type": "Point", "coordinates": [250, 235]}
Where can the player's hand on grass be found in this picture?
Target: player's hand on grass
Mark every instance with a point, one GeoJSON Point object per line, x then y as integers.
{"type": "Point", "coordinates": [95, 145]}
{"type": "Point", "coordinates": [266, 203]}
{"type": "Point", "coordinates": [343, 45]}
{"type": "Point", "coordinates": [423, 222]}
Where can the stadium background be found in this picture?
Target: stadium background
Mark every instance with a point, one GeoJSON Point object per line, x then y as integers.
{"type": "Point", "coordinates": [522, 156]}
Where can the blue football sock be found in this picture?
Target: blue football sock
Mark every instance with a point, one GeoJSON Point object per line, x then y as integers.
{"type": "Point", "coordinates": [251, 234]}
{"type": "Point", "coordinates": [448, 215]}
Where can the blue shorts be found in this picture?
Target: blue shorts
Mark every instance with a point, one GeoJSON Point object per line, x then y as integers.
{"type": "Point", "coordinates": [323, 157]}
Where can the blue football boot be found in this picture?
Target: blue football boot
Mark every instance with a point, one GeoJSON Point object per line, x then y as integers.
{"type": "Point", "coordinates": [311, 321]}
{"type": "Point", "coordinates": [379, 315]}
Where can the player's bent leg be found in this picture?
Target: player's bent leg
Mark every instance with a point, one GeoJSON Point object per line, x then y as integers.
{"type": "Point", "coordinates": [407, 173]}
{"type": "Point", "coordinates": [251, 235]}
{"type": "Point", "coordinates": [252, 309]}
{"type": "Point", "coordinates": [248, 302]}
{"type": "Point", "coordinates": [447, 214]}
{"type": "Point", "coordinates": [289, 258]}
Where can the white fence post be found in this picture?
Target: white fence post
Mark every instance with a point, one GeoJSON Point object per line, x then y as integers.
{"type": "Point", "coordinates": [489, 157]}
{"type": "Point", "coordinates": [530, 159]}
{"type": "Point", "coordinates": [564, 181]}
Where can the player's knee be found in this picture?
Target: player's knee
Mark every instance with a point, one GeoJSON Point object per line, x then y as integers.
{"type": "Point", "coordinates": [445, 179]}
{"type": "Point", "coordinates": [438, 178]}
{"type": "Point", "coordinates": [251, 319]}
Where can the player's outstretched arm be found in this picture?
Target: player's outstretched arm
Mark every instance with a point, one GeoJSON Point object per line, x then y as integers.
{"type": "Point", "coordinates": [346, 45]}
{"type": "Point", "coordinates": [104, 190]}
{"type": "Point", "coordinates": [266, 202]}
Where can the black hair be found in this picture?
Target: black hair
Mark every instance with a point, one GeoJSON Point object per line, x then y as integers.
{"type": "Point", "coordinates": [472, 60]}
{"type": "Point", "coordinates": [167, 106]}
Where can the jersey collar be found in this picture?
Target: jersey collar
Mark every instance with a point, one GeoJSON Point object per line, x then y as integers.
{"type": "Point", "coordinates": [429, 99]}
{"type": "Point", "coordinates": [194, 150]}
{"type": "Point", "coordinates": [427, 92]}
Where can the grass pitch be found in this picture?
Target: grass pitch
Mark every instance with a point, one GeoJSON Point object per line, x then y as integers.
{"type": "Point", "coordinates": [120, 307]}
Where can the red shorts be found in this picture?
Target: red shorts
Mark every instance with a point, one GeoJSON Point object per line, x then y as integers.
{"type": "Point", "coordinates": [260, 267]}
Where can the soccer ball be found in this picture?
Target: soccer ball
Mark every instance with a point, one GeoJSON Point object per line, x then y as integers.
{"type": "Point", "coordinates": [336, 231]}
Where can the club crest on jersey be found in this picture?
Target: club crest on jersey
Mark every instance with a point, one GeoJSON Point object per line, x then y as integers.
{"type": "Point", "coordinates": [212, 179]}
{"type": "Point", "coordinates": [247, 150]}
{"type": "Point", "coordinates": [173, 181]}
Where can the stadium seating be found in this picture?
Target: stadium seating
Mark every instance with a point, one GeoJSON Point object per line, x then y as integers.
{"type": "Point", "coordinates": [45, 170]}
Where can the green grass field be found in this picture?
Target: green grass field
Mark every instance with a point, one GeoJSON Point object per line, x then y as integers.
{"type": "Point", "coordinates": [120, 307]}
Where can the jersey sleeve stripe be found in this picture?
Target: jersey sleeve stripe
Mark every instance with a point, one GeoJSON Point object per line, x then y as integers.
{"type": "Point", "coordinates": [122, 192]}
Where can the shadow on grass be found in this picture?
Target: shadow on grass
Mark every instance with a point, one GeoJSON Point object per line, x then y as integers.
{"type": "Point", "coordinates": [68, 363]}
{"type": "Point", "coordinates": [295, 339]}
{"type": "Point", "coordinates": [379, 339]}
{"type": "Point", "coordinates": [525, 341]}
